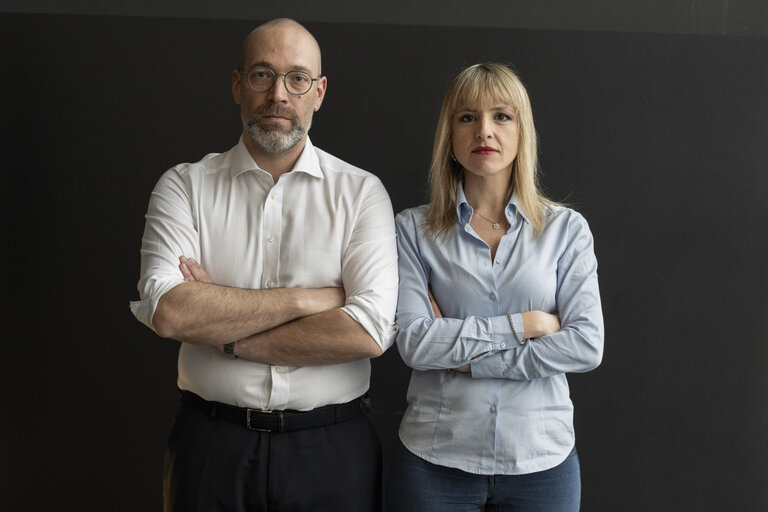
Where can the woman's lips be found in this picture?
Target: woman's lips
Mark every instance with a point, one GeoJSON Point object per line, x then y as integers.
{"type": "Point", "coordinates": [484, 150]}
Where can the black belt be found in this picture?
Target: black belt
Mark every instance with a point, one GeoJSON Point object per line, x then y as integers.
{"type": "Point", "coordinates": [280, 421]}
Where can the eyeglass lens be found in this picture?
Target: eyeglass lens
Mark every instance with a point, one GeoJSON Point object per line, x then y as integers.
{"type": "Point", "coordinates": [262, 79]}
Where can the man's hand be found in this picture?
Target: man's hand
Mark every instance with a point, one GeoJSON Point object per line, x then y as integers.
{"type": "Point", "coordinates": [200, 311]}
{"type": "Point", "coordinates": [192, 271]}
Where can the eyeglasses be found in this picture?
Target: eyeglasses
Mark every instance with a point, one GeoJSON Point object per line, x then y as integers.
{"type": "Point", "coordinates": [261, 79]}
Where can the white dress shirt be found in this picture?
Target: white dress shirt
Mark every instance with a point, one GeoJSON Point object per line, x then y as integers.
{"type": "Point", "coordinates": [325, 223]}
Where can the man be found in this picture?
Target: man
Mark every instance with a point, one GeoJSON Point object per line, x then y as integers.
{"type": "Point", "coordinates": [275, 266]}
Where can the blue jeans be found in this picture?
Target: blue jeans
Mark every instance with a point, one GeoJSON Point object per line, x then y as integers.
{"type": "Point", "coordinates": [420, 486]}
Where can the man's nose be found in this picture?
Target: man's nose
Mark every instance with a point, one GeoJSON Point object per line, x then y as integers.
{"type": "Point", "coordinates": [278, 92]}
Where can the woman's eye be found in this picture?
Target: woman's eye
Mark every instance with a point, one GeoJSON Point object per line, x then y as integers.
{"type": "Point", "coordinates": [466, 118]}
{"type": "Point", "coordinates": [501, 116]}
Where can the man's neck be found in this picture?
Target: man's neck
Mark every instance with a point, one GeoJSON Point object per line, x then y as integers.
{"type": "Point", "coordinates": [275, 164]}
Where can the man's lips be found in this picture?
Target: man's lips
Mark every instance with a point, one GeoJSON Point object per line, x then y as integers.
{"type": "Point", "coordinates": [484, 150]}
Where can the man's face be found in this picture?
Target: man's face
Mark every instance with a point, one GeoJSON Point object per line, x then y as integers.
{"type": "Point", "coordinates": [276, 120]}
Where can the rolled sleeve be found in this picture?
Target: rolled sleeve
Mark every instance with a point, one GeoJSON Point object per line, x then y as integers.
{"type": "Point", "coordinates": [169, 232]}
{"type": "Point", "coordinates": [369, 266]}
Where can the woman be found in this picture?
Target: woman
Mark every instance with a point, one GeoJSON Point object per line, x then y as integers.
{"type": "Point", "coordinates": [498, 301]}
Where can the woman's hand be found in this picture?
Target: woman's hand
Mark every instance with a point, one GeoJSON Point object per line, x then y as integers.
{"type": "Point", "coordinates": [539, 323]}
{"type": "Point", "coordinates": [435, 309]}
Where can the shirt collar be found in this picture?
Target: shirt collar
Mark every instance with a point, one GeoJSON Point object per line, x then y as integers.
{"type": "Point", "coordinates": [464, 210]}
{"type": "Point", "coordinates": [241, 161]}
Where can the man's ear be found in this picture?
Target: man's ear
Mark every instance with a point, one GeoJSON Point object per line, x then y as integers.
{"type": "Point", "coordinates": [236, 80]}
{"type": "Point", "coordinates": [322, 84]}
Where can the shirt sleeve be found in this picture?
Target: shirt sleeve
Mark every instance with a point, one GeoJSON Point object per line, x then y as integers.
{"type": "Point", "coordinates": [578, 346]}
{"type": "Point", "coordinates": [429, 343]}
{"type": "Point", "coordinates": [169, 232]}
{"type": "Point", "coordinates": [369, 266]}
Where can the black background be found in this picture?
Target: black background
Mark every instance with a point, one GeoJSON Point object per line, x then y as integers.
{"type": "Point", "coordinates": [658, 137]}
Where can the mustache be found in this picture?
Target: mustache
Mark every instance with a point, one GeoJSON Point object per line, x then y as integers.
{"type": "Point", "coordinates": [274, 110]}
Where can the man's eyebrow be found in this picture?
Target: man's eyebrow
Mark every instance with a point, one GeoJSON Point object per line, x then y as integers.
{"type": "Point", "coordinates": [264, 64]}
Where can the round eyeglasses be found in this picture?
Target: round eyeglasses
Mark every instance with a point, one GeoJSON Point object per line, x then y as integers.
{"type": "Point", "coordinates": [261, 79]}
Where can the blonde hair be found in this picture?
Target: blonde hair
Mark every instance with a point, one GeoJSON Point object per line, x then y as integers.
{"type": "Point", "coordinates": [471, 86]}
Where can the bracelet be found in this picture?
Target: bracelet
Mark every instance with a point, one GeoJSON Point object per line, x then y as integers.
{"type": "Point", "coordinates": [229, 350]}
{"type": "Point", "coordinates": [514, 331]}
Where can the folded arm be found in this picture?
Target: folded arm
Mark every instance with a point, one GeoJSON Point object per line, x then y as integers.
{"type": "Point", "coordinates": [325, 338]}
{"type": "Point", "coordinates": [291, 326]}
{"type": "Point", "coordinates": [578, 346]}
{"type": "Point", "coordinates": [221, 315]}
{"type": "Point", "coordinates": [198, 311]}
{"type": "Point", "coordinates": [427, 340]}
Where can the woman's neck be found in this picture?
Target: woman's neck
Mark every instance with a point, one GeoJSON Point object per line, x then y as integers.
{"type": "Point", "coordinates": [487, 194]}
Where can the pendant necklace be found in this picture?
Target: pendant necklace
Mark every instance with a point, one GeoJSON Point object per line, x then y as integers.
{"type": "Point", "coordinates": [495, 224]}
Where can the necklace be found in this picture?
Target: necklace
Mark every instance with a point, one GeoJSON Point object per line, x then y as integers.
{"type": "Point", "coordinates": [494, 224]}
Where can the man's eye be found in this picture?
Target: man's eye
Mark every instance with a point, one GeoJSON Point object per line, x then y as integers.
{"type": "Point", "coordinates": [260, 74]}
{"type": "Point", "coordinates": [300, 78]}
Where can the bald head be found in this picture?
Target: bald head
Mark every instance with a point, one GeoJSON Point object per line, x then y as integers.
{"type": "Point", "coordinates": [277, 34]}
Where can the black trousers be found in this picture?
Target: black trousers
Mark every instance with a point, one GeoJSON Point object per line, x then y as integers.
{"type": "Point", "coordinates": [213, 465]}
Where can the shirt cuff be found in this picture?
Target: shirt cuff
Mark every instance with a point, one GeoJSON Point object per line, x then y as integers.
{"type": "Point", "coordinates": [143, 311]}
{"type": "Point", "coordinates": [502, 328]}
{"type": "Point", "coordinates": [489, 367]}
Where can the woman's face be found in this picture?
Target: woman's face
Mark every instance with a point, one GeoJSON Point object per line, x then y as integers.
{"type": "Point", "coordinates": [485, 137]}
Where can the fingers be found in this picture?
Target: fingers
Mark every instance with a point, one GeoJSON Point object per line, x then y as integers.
{"type": "Point", "coordinates": [192, 271]}
{"type": "Point", "coordinates": [185, 272]}
{"type": "Point", "coordinates": [553, 325]}
{"type": "Point", "coordinates": [435, 308]}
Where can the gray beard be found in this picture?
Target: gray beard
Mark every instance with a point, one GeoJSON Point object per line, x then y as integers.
{"type": "Point", "coordinates": [274, 139]}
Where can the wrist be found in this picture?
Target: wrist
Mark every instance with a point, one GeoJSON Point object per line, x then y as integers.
{"type": "Point", "coordinates": [518, 336]}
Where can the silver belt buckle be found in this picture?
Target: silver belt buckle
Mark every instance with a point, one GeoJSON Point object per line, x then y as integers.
{"type": "Point", "coordinates": [248, 419]}
{"type": "Point", "coordinates": [279, 415]}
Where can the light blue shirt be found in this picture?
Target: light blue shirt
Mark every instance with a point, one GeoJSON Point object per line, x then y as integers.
{"type": "Point", "coordinates": [512, 414]}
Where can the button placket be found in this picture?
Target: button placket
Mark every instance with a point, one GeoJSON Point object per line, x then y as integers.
{"type": "Point", "coordinates": [271, 231]}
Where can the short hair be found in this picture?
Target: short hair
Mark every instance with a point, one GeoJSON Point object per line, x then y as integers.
{"type": "Point", "coordinates": [486, 81]}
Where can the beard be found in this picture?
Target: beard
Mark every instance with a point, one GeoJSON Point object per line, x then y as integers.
{"type": "Point", "coordinates": [272, 138]}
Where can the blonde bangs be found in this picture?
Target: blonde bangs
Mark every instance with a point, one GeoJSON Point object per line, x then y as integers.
{"type": "Point", "coordinates": [478, 85]}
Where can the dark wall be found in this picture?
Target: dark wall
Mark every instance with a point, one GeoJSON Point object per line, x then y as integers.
{"type": "Point", "coordinates": [659, 140]}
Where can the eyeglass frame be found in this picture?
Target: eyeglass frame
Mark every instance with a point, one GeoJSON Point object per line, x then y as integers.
{"type": "Point", "coordinates": [274, 79]}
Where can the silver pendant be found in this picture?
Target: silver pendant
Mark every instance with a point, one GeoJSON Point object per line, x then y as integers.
{"type": "Point", "coordinates": [496, 225]}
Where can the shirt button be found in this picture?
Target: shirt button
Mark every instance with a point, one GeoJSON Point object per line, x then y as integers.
{"type": "Point", "coordinates": [493, 409]}
{"type": "Point", "coordinates": [271, 238]}
{"type": "Point", "coordinates": [492, 296]}
{"type": "Point", "coordinates": [271, 284]}
{"type": "Point", "coordinates": [498, 262]}
{"type": "Point", "coordinates": [503, 344]}
{"type": "Point", "coordinates": [278, 369]}
{"type": "Point", "coordinates": [273, 195]}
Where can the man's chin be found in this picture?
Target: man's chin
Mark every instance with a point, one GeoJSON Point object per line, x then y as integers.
{"type": "Point", "coordinates": [268, 127]}
{"type": "Point", "coordinates": [273, 142]}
